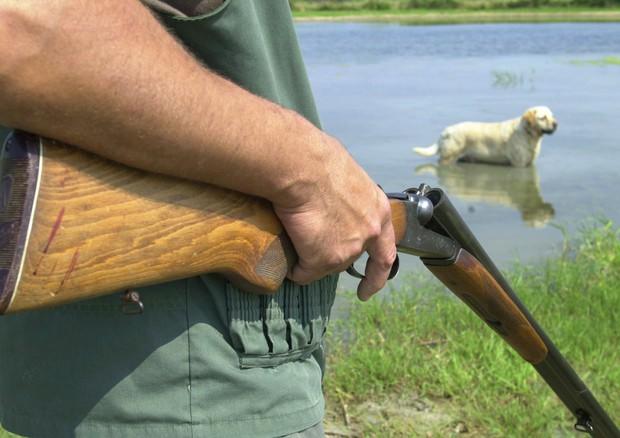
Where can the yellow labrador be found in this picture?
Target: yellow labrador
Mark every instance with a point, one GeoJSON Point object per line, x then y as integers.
{"type": "Point", "coordinates": [513, 142]}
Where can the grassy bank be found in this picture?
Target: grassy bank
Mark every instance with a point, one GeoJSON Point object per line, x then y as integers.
{"type": "Point", "coordinates": [412, 5]}
{"type": "Point", "coordinates": [430, 16]}
{"type": "Point", "coordinates": [421, 363]}
{"type": "Point", "coordinates": [457, 11]}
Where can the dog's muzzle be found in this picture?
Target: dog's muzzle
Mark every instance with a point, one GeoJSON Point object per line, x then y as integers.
{"type": "Point", "coordinates": [552, 130]}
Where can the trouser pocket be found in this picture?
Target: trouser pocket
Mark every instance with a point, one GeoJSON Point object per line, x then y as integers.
{"type": "Point", "coordinates": [269, 330]}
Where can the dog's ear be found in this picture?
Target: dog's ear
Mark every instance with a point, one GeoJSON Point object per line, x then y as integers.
{"type": "Point", "coordinates": [531, 124]}
{"type": "Point", "coordinates": [530, 117]}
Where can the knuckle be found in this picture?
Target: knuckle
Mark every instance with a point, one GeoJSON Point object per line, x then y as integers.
{"type": "Point", "coordinates": [374, 230]}
{"type": "Point", "coordinates": [385, 264]}
{"type": "Point", "coordinates": [384, 205]}
{"type": "Point", "coordinates": [386, 209]}
{"type": "Point", "coordinates": [336, 260]}
{"type": "Point", "coordinates": [392, 254]}
{"type": "Point", "coordinates": [355, 249]}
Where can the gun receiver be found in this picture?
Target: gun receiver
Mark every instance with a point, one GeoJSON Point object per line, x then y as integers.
{"type": "Point", "coordinates": [75, 226]}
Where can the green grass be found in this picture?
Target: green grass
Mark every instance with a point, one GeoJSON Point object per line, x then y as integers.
{"type": "Point", "coordinates": [413, 5]}
{"type": "Point", "coordinates": [425, 343]}
{"type": "Point", "coordinates": [429, 17]}
{"type": "Point", "coordinates": [454, 11]}
{"type": "Point", "coordinates": [467, 11]}
{"type": "Point", "coordinates": [605, 61]}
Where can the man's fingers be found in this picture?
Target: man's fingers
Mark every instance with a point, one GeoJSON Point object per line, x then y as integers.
{"type": "Point", "coordinates": [301, 275]}
{"type": "Point", "coordinates": [329, 238]}
{"type": "Point", "coordinates": [382, 255]}
{"type": "Point", "coordinates": [304, 274]}
{"type": "Point", "coordinates": [376, 276]}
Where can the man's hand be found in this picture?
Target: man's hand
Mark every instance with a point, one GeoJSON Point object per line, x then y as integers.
{"type": "Point", "coordinates": [337, 217]}
{"type": "Point", "coordinates": [115, 90]}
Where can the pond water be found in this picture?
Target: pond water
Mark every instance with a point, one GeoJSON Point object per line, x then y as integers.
{"type": "Point", "coordinates": [384, 88]}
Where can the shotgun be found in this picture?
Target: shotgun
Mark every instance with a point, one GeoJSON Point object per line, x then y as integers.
{"type": "Point", "coordinates": [74, 225]}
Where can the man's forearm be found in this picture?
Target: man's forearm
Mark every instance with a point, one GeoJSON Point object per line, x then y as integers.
{"type": "Point", "coordinates": [127, 90]}
{"type": "Point", "coordinates": [107, 77]}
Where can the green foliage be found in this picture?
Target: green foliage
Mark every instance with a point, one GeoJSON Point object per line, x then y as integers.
{"type": "Point", "coordinates": [605, 61]}
{"type": "Point", "coordinates": [425, 341]}
{"type": "Point", "coordinates": [5, 434]}
{"type": "Point", "coordinates": [430, 4]}
{"type": "Point", "coordinates": [377, 5]}
{"type": "Point", "coordinates": [596, 3]}
{"type": "Point", "coordinates": [396, 5]}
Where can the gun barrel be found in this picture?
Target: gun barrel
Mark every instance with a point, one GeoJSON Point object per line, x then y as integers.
{"type": "Point", "coordinates": [553, 368]}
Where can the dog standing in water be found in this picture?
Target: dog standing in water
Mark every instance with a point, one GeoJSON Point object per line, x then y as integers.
{"type": "Point", "coordinates": [514, 142]}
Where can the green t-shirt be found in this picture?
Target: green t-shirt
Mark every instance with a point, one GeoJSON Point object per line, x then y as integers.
{"type": "Point", "coordinates": [204, 359]}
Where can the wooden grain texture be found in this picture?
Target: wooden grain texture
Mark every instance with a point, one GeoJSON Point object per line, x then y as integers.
{"type": "Point", "coordinates": [473, 284]}
{"type": "Point", "coordinates": [100, 227]}
{"type": "Point", "coordinates": [399, 219]}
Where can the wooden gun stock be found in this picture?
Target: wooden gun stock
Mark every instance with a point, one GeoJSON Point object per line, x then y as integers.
{"type": "Point", "coordinates": [74, 225]}
{"type": "Point", "coordinates": [98, 227]}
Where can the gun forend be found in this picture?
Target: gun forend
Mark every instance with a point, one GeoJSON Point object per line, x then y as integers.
{"type": "Point", "coordinates": [473, 284]}
{"type": "Point", "coordinates": [422, 235]}
{"type": "Point", "coordinates": [473, 276]}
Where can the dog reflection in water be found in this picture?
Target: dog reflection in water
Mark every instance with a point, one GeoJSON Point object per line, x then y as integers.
{"type": "Point", "coordinates": [514, 187]}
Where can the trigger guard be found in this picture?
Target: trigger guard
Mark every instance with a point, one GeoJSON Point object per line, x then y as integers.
{"type": "Point", "coordinates": [353, 272]}
{"type": "Point", "coordinates": [395, 268]}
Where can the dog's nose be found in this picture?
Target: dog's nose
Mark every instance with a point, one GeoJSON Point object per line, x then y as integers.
{"type": "Point", "coordinates": [555, 125]}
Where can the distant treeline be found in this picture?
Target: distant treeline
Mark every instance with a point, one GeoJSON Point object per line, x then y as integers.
{"type": "Point", "coordinates": [387, 5]}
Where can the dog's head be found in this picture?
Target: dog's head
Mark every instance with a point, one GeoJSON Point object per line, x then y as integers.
{"type": "Point", "coordinates": [540, 120]}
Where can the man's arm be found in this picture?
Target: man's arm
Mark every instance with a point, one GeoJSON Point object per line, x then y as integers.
{"type": "Point", "coordinates": [106, 76]}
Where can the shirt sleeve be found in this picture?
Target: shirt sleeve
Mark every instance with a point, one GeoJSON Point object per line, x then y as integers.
{"type": "Point", "coordinates": [184, 8]}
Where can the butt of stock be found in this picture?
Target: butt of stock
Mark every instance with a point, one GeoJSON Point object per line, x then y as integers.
{"type": "Point", "coordinates": [74, 226]}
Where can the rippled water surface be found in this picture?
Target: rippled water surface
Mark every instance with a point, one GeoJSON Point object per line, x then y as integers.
{"type": "Point", "coordinates": [383, 88]}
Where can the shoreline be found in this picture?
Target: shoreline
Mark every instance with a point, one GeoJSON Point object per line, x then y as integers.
{"type": "Point", "coordinates": [452, 16]}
